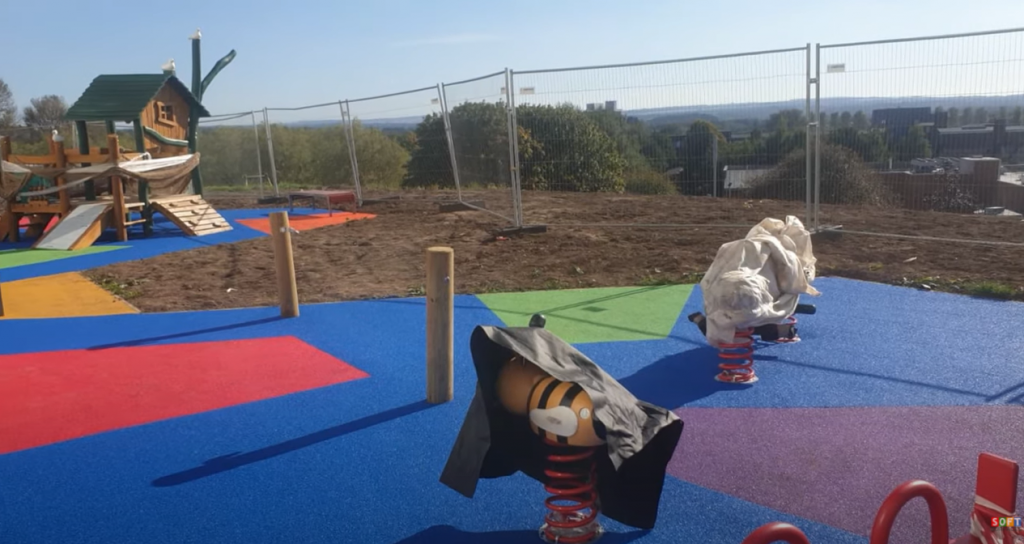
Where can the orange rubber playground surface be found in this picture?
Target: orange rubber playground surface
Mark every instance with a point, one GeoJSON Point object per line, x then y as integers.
{"type": "Point", "coordinates": [307, 222]}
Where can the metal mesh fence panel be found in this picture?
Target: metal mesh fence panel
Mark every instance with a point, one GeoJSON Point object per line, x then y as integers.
{"type": "Point", "coordinates": [35, 141]}
{"type": "Point", "coordinates": [308, 148]}
{"type": "Point", "coordinates": [396, 146]}
{"type": "Point", "coordinates": [923, 125]}
{"type": "Point", "coordinates": [478, 116]}
{"type": "Point", "coordinates": [694, 141]}
{"type": "Point", "coordinates": [230, 147]}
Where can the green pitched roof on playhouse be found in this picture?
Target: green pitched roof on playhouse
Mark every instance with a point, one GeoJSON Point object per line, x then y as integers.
{"type": "Point", "coordinates": [123, 97]}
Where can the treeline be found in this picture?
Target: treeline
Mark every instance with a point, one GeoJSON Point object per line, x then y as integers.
{"type": "Point", "coordinates": [859, 120]}
{"type": "Point", "coordinates": [560, 148]}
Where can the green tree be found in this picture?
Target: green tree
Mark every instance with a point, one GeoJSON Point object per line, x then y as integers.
{"type": "Point", "coordinates": [845, 179]}
{"type": "Point", "coordinates": [834, 122]}
{"type": "Point", "coordinates": [1004, 112]}
{"type": "Point", "coordinates": [427, 163]}
{"type": "Point", "coordinates": [1018, 116]}
{"type": "Point", "coordinates": [787, 120]}
{"type": "Point", "coordinates": [845, 120]}
{"type": "Point", "coordinates": [229, 154]}
{"type": "Point", "coordinates": [914, 145]}
{"type": "Point", "coordinates": [823, 121]}
{"type": "Point", "coordinates": [699, 164]}
{"type": "Point", "coordinates": [981, 116]}
{"type": "Point", "coordinates": [480, 134]}
{"type": "Point", "coordinates": [45, 113]}
{"type": "Point", "coordinates": [406, 139]}
{"type": "Point", "coordinates": [860, 121]}
{"type": "Point", "coordinates": [572, 153]}
{"type": "Point", "coordinates": [869, 145]}
{"type": "Point", "coordinates": [8, 108]}
{"type": "Point", "coordinates": [382, 160]}
{"type": "Point", "coordinates": [967, 116]}
{"type": "Point", "coordinates": [628, 137]}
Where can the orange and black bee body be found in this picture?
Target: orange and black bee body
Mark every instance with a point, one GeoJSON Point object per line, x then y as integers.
{"type": "Point", "coordinates": [563, 412]}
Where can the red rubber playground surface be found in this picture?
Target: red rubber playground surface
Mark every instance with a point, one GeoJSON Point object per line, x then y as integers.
{"type": "Point", "coordinates": [236, 426]}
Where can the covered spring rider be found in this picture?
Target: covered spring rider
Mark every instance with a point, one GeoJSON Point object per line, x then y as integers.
{"type": "Point", "coordinates": [544, 408]}
{"type": "Point", "coordinates": [753, 288]}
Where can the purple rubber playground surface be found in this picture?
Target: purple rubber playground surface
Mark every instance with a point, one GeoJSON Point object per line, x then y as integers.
{"type": "Point", "coordinates": [836, 465]}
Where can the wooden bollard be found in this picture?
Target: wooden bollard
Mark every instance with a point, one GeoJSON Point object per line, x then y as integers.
{"type": "Point", "coordinates": [440, 324]}
{"type": "Point", "coordinates": [287, 291]}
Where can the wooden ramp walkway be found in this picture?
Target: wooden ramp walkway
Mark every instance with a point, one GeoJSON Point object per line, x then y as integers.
{"type": "Point", "coordinates": [190, 213]}
{"type": "Point", "coordinates": [79, 229]}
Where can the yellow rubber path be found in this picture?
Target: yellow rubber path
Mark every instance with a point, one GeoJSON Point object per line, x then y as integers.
{"type": "Point", "coordinates": [60, 295]}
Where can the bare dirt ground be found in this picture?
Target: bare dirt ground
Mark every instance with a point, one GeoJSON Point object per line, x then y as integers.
{"type": "Point", "coordinates": [384, 256]}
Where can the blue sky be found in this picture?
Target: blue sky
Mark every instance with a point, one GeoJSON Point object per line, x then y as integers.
{"type": "Point", "coordinates": [306, 52]}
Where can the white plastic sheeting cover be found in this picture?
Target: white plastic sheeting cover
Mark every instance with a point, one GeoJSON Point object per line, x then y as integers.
{"type": "Point", "coordinates": [758, 280]}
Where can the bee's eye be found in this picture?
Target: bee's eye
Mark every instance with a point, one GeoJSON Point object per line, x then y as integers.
{"type": "Point", "coordinates": [584, 413]}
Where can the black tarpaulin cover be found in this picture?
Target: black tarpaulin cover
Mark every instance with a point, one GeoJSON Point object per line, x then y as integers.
{"type": "Point", "coordinates": [494, 443]}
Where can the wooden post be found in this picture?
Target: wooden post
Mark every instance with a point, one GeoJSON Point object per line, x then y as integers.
{"type": "Point", "coordinates": [287, 291]}
{"type": "Point", "coordinates": [440, 324]}
{"type": "Point", "coordinates": [13, 232]}
{"type": "Point", "coordinates": [82, 128]}
{"type": "Point", "coordinates": [117, 189]}
{"type": "Point", "coordinates": [140, 147]}
{"type": "Point", "coordinates": [62, 162]}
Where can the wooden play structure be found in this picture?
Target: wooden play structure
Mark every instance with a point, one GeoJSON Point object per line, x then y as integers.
{"type": "Point", "coordinates": [59, 197]}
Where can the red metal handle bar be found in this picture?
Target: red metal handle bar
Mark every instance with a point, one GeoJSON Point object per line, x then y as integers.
{"type": "Point", "coordinates": [900, 496]}
{"type": "Point", "coordinates": [775, 531]}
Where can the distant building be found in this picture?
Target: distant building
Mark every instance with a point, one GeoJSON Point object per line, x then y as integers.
{"type": "Point", "coordinates": [995, 139]}
{"type": "Point", "coordinates": [610, 105]}
{"type": "Point", "coordinates": [906, 117]}
{"type": "Point", "coordinates": [897, 121]}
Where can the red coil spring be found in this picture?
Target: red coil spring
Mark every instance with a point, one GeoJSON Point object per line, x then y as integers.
{"type": "Point", "coordinates": [738, 359]}
{"type": "Point", "coordinates": [791, 320]}
{"type": "Point", "coordinates": [571, 480]}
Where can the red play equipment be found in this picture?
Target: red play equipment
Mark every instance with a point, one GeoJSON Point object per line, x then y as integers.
{"type": "Point", "coordinates": [329, 197]}
{"type": "Point", "coordinates": [774, 532]}
{"type": "Point", "coordinates": [992, 519]}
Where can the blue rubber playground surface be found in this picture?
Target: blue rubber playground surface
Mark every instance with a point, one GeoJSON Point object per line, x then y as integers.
{"type": "Point", "coordinates": [887, 384]}
{"type": "Point", "coordinates": [166, 238]}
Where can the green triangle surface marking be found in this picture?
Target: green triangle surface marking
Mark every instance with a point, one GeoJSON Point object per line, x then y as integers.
{"type": "Point", "coordinates": [10, 258]}
{"type": "Point", "coordinates": [606, 314]}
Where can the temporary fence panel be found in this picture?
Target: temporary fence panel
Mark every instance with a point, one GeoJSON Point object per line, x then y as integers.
{"type": "Point", "coordinates": [399, 142]}
{"type": "Point", "coordinates": [705, 138]}
{"type": "Point", "coordinates": [477, 116]}
{"type": "Point", "coordinates": [231, 154]}
{"type": "Point", "coordinates": [309, 148]}
{"type": "Point", "coordinates": [922, 125]}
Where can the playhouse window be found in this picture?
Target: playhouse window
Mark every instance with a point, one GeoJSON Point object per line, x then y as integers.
{"type": "Point", "coordinates": [164, 112]}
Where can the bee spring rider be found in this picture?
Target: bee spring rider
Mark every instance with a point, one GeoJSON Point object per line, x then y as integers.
{"type": "Point", "coordinates": [545, 409]}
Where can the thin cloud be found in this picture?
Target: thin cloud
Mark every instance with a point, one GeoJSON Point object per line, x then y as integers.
{"type": "Point", "coordinates": [451, 39]}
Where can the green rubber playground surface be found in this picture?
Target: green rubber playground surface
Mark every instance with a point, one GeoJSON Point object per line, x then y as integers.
{"type": "Point", "coordinates": [10, 258]}
{"type": "Point", "coordinates": [606, 314]}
